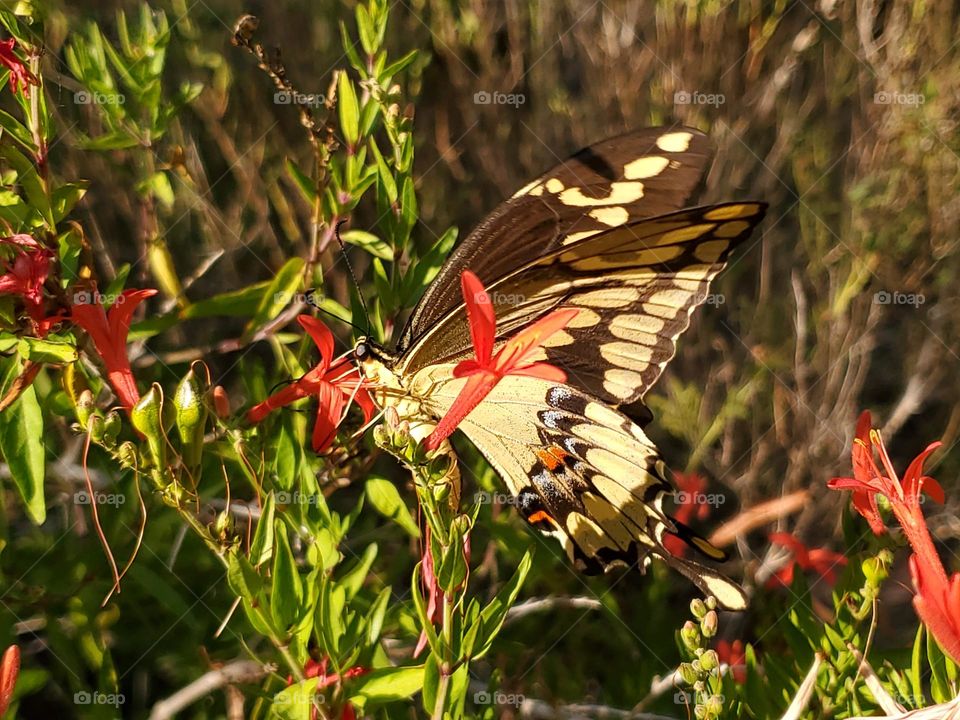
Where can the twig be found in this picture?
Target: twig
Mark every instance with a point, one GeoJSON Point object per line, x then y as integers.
{"type": "Point", "coordinates": [886, 703]}
{"type": "Point", "coordinates": [529, 607]}
{"type": "Point", "coordinates": [239, 671]}
{"type": "Point", "coordinates": [758, 516]}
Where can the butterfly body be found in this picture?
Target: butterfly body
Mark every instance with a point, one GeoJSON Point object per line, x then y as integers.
{"type": "Point", "coordinates": [603, 239]}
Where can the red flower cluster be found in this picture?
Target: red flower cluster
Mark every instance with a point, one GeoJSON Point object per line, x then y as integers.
{"type": "Point", "coordinates": [20, 75]}
{"type": "Point", "coordinates": [24, 277]}
{"type": "Point", "coordinates": [819, 560]}
{"type": "Point", "coordinates": [732, 654]}
{"type": "Point", "coordinates": [109, 334]}
{"type": "Point", "coordinates": [334, 382]}
{"type": "Point", "coordinates": [937, 599]}
{"type": "Point", "coordinates": [487, 370]}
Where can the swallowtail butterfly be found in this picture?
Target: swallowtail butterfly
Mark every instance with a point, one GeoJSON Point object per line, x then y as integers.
{"type": "Point", "coordinates": [606, 232]}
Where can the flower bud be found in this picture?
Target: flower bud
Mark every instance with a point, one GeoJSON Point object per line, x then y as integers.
{"type": "Point", "coordinates": [689, 675]}
{"type": "Point", "coordinates": [191, 413]}
{"type": "Point", "coordinates": [711, 602]}
{"type": "Point", "coordinates": [698, 607]}
{"type": "Point", "coordinates": [714, 705]}
{"type": "Point", "coordinates": [111, 428]}
{"type": "Point", "coordinates": [221, 402]}
{"type": "Point", "coordinates": [127, 454]}
{"type": "Point", "coordinates": [85, 408]}
{"type": "Point", "coordinates": [95, 426]}
{"type": "Point", "coordinates": [146, 417]}
{"type": "Point", "coordinates": [708, 626]}
{"type": "Point", "coordinates": [709, 660]}
{"type": "Point", "coordinates": [690, 635]}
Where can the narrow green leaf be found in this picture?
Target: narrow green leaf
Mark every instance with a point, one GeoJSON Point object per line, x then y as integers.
{"type": "Point", "coordinates": [22, 446]}
{"type": "Point", "coordinates": [261, 549]}
{"type": "Point", "coordinates": [348, 109]}
{"type": "Point", "coordinates": [493, 615]}
{"type": "Point", "coordinates": [385, 498]}
{"type": "Point", "coordinates": [286, 592]}
{"type": "Point", "coordinates": [278, 294]}
{"type": "Point", "coordinates": [387, 684]}
{"type": "Point", "coordinates": [295, 702]}
{"type": "Point", "coordinates": [369, 242]}
{"type": "Point", "coordinates": [47, 351]}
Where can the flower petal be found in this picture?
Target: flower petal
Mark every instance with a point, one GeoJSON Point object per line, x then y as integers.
{"type": "Point", "coordinates": [329, 415]}
{"type": "Point", "coordinates": [483, 322]}
{"type": "Point", "coordinates": [517, 349]}
{"type": "Point", "coordinates": [472, 394]}
{"type": "Point", "coordinates": [321, 335]}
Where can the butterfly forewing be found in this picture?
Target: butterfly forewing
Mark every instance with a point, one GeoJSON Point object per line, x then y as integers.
{"type": "Point", "coordinates": [640, 174]}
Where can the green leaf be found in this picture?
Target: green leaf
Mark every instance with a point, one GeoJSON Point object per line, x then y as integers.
{"type": "Point", "coordinates": [47, 351]}
{"type": "Point", "coordinates": [376, 615]}
{"type": "Point", "coordinates": [386, 175]}
{"type": "Point", "coordinates": [420, 606]}
{"type": "Point", "coordinates": [305, 184]}
{"type": "Point", "coordinates": [369, 242]}
{"type": "Point", "coordinates": [387, 684]}
{"type": "Point", "coordinates": [431, 682]}
{"type": "Point", "coordinates": [277, 295]}
{"type": "Point", "coordinates": [295, 702]}
{"type": "Point", "coordinates": [385, 498]}
{"type": "Point", "coordinates": [353, 579]}
{"type": "Point", "coordinates": [22, 446]}
{"type": "Point", "coordinates": [916, 668]}
{"type": "Point", "coordinates": [368, 36]}
{"type": "Point", "coordinates": [286, 592]}
{"type": "Point", "coordinates": [348, 109]}
{"type": "Point", "coordinates": [397, 66]}
{"type": "Point", "coordinates": [261, 549]}
{"type": "Point", "coordinates": [235, 303]}
{"type": "Point", "coordinates": [492, 616]}
{"type": "Point", "coordinates": [18, 132]}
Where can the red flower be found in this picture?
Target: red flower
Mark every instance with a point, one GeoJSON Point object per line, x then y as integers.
{"type": "Point", "coordinates": [937, 599]}
{"type": "Point", "coordinates": [820, 560]}
{"type": "Point", "coordinates": [732, 654]}
{"type": "Point", "coordinates": [334, 383]}
{"type": "Point", "coordinates": [19, 74]}
{"type": "Point", "coordinates": [513, 358]}
{"type": "Point", "coordinates": [690, 487]}
{"type": "Point", "coordinates": [109, 335]}
{"type": "Point", "coordinates": [315, 669]}
{"type": "Point", "coordinates": [25, 276]}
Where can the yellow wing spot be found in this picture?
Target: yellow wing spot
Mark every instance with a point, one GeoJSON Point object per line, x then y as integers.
{"type": "Point", "coordinates": [576, 237]}
{"type": "Point", "coordinates": [554, 185]}
{"type": "Point", "coordinates": [674, 142]}
{"type": "Point", "coordinates": [528, 189]}
{"type": "Point", "coordinates": [608, 517]}
{"type": "Point", "coordinates": [711, 250]}
{"type": "Point", "coordinates": [731, 212]}
{"type": "Point", "coordinates": [631, 334]}
{"type": "Point", "coordinates": [626, 354]}
{"type": "Point", "coordinates": [609, 298]}
{"type": "Point", "coordinates": [685, 234]}
{"type": "Point", "coordinates": [621, 193]}
{"type": "Point", "coordinates": [610, 464]}
{"type": "Point", "coordinates": [612, 216]}
{"type": "Point", "coordinates": [560, 338]}
{"type": "Point", "coordinates": [587, 534]}
{"type": "Point", "coordinates": [584, 318]}
{"type": "Point", "coordinates": [732, 229]}
{"type": "Point", "coordinates": [637, 323]}
{"type": "Point", "coordinates": [645, 167]}
{"type": "Point", "coordinates": [670, 298]}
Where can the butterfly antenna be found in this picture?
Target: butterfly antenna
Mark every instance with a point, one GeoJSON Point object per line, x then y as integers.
{"type": "Point", "coordinates": [346, 259]}
{"type": "Point", "coordinates": [311, 300]}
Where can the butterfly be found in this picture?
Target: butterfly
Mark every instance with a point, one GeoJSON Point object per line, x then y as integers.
{"type": "Point", "coordinates": [607, 233]}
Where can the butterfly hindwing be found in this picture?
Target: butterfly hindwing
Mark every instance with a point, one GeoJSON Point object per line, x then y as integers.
{"type": "Point", "coordinates": [642, 173]}
{"type": "Point", "coordinates": [581, 472]}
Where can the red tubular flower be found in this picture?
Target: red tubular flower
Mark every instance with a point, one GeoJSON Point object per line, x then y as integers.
{"type": "Point", "coordinates": [937, 599]}
{"type": "Point", "coordinates": [333, 382]}
{"type": "Point", "coordinates": [732, 654]}
{"type": "Point", "coordinates": [514, 358]}
{"type": "Point", "coordinates": [690, 487]}
{"type": "Point", "coordinates": [109, 334]}
{"type": "Point", "coordinates": [25, 276]}
{"type": "Point", "coordinates": [20, 75]}
{"type": "Point", "coordinates": [819, 560]}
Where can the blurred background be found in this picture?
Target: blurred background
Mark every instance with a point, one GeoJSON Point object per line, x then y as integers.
{"type": "Point", "coordinates": [842, 116]}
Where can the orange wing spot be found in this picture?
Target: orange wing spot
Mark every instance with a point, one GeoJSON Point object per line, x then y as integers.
{"type": "Point", "coordinates": [552, 457]}
{"type": "Point", "coordinates": [542, 516]}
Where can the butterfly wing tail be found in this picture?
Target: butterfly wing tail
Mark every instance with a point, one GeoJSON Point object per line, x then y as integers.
{"type": "Point", "coordinates": [729, 595]}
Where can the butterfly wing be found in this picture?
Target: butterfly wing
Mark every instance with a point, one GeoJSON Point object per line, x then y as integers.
{"type": "Point", "coordinates": [639, 174]}
{"type": "Point", "coordinates": [580, 472]}
{"type": "Point", "coordinates": [635, 287]}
